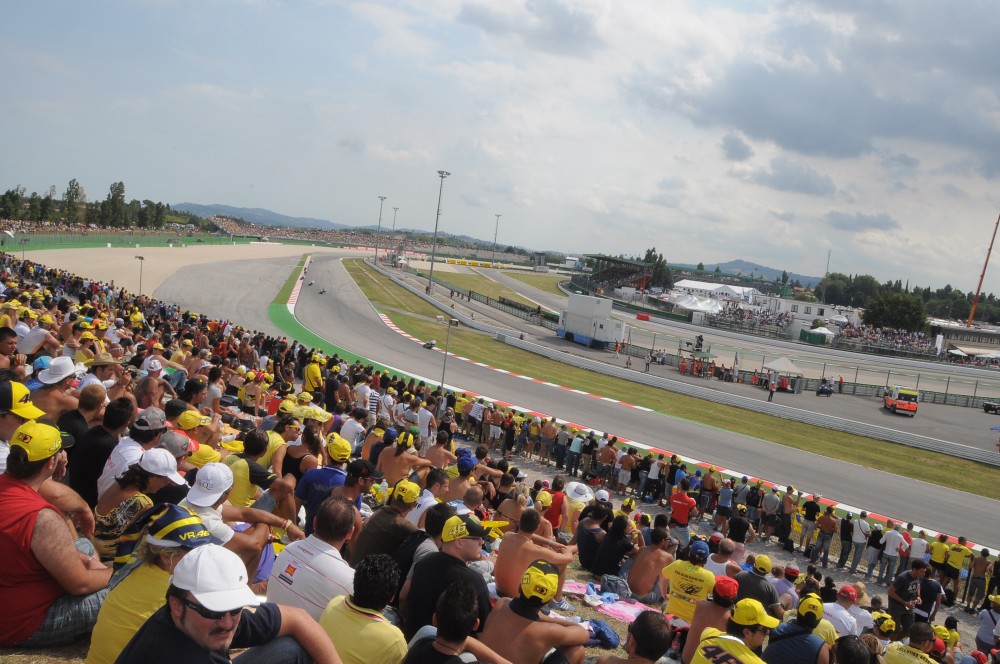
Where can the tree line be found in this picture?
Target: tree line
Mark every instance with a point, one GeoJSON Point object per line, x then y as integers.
{"type": "Point", "coordinates": [73, 208]}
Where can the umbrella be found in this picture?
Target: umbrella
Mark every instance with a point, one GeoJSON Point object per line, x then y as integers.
{"type": "Point", "coordinates": [783, 365]}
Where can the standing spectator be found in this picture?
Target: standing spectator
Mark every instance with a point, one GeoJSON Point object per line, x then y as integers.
{"type": "Point", "coordinates": [859, 541]}
{"type": "Point", "coordinates": [891, 541]}
{"type": "Point", "coordinates": [846, 539]}
{"type": "Point", "coordinates": [681, 506]}
{"type": "Point", "coordinates": [904, 594]}
{"type": "Point", "coordinates": [810, 511]}
{"type": "Point", "coordinates": [827, 526]}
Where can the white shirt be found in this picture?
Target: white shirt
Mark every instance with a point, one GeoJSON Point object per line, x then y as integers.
{"type": "Point", "coordinates": [863, 618]}
{"type": "Point", "coordinates": [424, 502]}
{"type": "Point", "coordinates": [308, 574]}
{"type": "Point", "coordinates": [126, 453]}
{"type": "Point", "coordinates": [892, 539]}
{"type": "Point", "coordinates": [362, 391]}
{"type": "Point", "coordinates": [385, 406]}
{"type": "Point", "coordinates": [4, 453]}
{"type": "Point", "coordinates": [988, 621]}
{"type": "Point", "coordinates": [212, 518]}
{"type": "Point", "coordinates": [841, 618]}
{"type": "Point", "coordinates": [918, 548]}
{"type": "Point", "coordinates": [424, 418]}
{"type": "Point", "coordinates": [21, 328]}
{"type": "Point", "coordinates": [350, 431]}
{"type": "Point", "coordinates": [31, 340]}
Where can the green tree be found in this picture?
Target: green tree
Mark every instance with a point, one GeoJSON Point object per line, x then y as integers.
{"type": "Point", "coordinates": [701, 266]}
{"type": "Point", "coordinates": [114, 213]}
{"type": "Point", "coordinates": [34, 207]}
{"type": "Point", "coordinates": [661, 271]}
{"type": "Point", "coordinates": [784, 278]}
{"type": "Point", "coordinates": [718, 270]}
{"type": "Point", "coordinates": [72, 198]}
{"type": "Point", "coordinates": [896, 310]}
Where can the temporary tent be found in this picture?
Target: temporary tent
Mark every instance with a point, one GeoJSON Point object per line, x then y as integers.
{"type": "Point", "coordinates": [822, 330]}
{"type": "Point", "coordinates": [783, 365]}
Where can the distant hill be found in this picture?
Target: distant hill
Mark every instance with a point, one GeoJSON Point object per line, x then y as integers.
{"type": "Point", "coordinates": [257, 216]}
{"type": "Point", "coordinates": [746, 267]}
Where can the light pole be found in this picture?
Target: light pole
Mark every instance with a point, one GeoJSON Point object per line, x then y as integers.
{"type": "Point", "coordinates": [24, 241]}
{"type": "Point", "coordinates": [141, 259]}
{"type": "Point", "coordinates": [378, 233]}
{"type": "Point", "coordinates": [392, 238]}
{"type": "Point", "coordinates": [496, 230]}
{"type": "Point", "coordinates": [434, 242]}
{"type": "Point", "coordinates": [452, 322]}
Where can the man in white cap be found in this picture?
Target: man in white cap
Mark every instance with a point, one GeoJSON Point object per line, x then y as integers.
{"type": "Point", "coordinates": [144, 434]}
{"type": "Point", "coordinates": [56, 395]}
{"type": "Point", "coordinates": [211, 489]}
{"type": "Point", "coordinates": [207, 614]}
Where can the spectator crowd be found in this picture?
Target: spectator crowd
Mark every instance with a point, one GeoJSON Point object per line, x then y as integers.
{"type": "Point", "coordinates": [176, 487]}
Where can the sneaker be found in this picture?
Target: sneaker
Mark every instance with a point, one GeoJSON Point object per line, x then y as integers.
{"type": "Point", "coordinates": [562, 606]}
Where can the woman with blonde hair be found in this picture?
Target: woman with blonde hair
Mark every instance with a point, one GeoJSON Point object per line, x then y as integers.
{"type": "Point", "coordinates": [510, 509]}
{"type": "Point", "coordinates": [139, 588]}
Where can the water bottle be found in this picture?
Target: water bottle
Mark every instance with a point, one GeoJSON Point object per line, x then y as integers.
{"type": "Point", "coordinates": [383, 491]}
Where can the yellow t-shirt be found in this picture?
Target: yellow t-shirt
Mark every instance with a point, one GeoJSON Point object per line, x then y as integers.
{"type": "Point", "coordinates": [897, 653]}
{"type": "Point", "coordinates": [312, 380]}
{"type": "Point", "coordinates": [249, 478]}
{"type": "Point", "coordinates": [717, 646]}
{"type": "Point", "coordinates": [957, 555]}
{"type": "Point", "coordinates": [274, 441]}
{"type": "Point", "coordinates": [205, 454]}
{"type": "Point", "coordinates": [180, 357]}
{"type": "Point", "coordinates": [939, 551]}
{"type": "Point", "coordinates": [362, 635]}
{"type": "Point", "coordinates": [125, 609]}
{"type": "Point", "coordinates": [688, 584]}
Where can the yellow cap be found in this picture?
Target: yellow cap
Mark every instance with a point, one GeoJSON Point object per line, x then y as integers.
{"type": "Point", "coordinates": [338, 447]}
{"type": "Point", "coordinates": [40, 441]}
{"type": "Point", "coordinates": [544, 498]}
{"type": "Point", "coordinates": [749, 613]}
{"type": "Point", "coordinates": [286, 406]}
{"type": "Point", "coordinates": [190, 419]}
{"type": "Point", "coordinates": [305, 397]}
{"type": "Point", "coordinates": [46, 318]}
{"type": "Point", "coordinates": [540, 581]}
{"type": "Point", "coordinates": [406, 491]}
{"type": "Point", "coordinates": [810, 605]}
{"type": "Point", "coordinates": [87, 336]}
{"type": "Point", "coordinates": [941, 632]}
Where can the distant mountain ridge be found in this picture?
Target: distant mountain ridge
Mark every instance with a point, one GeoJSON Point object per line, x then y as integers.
{"type": "Point", "coordinates": [257, 216]}
{"type": "Point", "coordinates": [746, 267]}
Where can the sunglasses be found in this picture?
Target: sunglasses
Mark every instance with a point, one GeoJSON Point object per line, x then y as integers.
{"type": "Point", "coordinates": [207, 613]}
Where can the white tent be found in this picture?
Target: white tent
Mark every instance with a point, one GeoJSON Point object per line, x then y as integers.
{"type": "Point", "coordinates": [823, 331]}
{"type": "Point", "coordinates": [783, 365]}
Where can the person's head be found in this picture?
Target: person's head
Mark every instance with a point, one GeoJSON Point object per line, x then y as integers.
{"type": "Point", "coordinates": [255, 443]}
{"type": "Point", "coordinates": [539, 583]}
{"type": "Point", "coordinates": [884, 625]}
{"type": "Point", "coordinates": [649, 636]}
{"type": "Point", "coordinates": [725, 590]}
{"type": "Point", "coordinates": [170, 532]}
{"type": "Point", "coordinates": [456, 614]}
{"type": "Point", "coordinates": [15, 407]}
{"type": "Point", "coordinates": [339, 449]}
{"type": "Point", "coordinates": [8, 340]}
{"type": "Point", "coordinates": [148, 425]}
{"type": "Point", "coordinates": [334, 521]}
{"type": "Point", "coordinates": [619, 526]}
{"type": "Point", "coordinates": [473, 498]}
{"type": "Point", "coordinates": [918, 568]}
{"type": "Point", "coordinates": [685, 485]}
{"type": "Point", "coordinates": [761, 565]}
{"type": "Point", "coordinates": [437, 482]}
{"type": "Point", "coordinates": [405, 495]}
{"type": "Point", "coordinates": [156, 469]}
{"type": "Point", "coordinates": [849, 649]}
{"type": "Point", "coordinates": [558, 483]}
{"type": "Point", "coordinates": [529, 521]}
{"type": "Point", "coordinates": [847, 596]}
{"type": "Point", "coordinates": [92, 399]}
{"type": "Point", "coordinates": [435, 517]}
{"type": "Point", "coordinates": [543, 501]}
{"type": "Point", "coordinates": [921, 636]}
{"type": "Point", "coordinates": [809, 612]}
{"type": "Point", "coordinates": [698, 553]}
{"type": "Point", "coordinates": [462, 537]}
{"type": "Point", "coordinates": [376, 579]}
{"type": "Point", "coordinates": [727, 547]}
{"type": "Point", "coordinates": [750, 623]}
{"type": "Point", "coordinates": [35, 451]}
{"type": "Point", "coordinates": [206, 596]}
{"type": "Point", "coordinates": [211, 485]}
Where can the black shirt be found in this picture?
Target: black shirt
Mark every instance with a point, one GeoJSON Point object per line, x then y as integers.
{"type": "Point", "coordinates": [846, 529]}
{"type": "Point", "coordinates": [609, 555]}
{"type": "Point", "coordinates": [159, 641]}
{"type": "Point", "coordinates": [75, 424]}
{"type": "Point", "coordinates": [811, 509]}
{"type": "Point", "coordinates": [424, 652]}
{"type": "Point", "coordinates": [738, 529]}
{"type": "Point", "coordinates": [431, 576]}
{"type": "Point", "coordinates": [92, 452]}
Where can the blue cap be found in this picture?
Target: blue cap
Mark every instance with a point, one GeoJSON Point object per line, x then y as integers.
{"type": "Point", "coordinates": [41, 363]}
{"type": "Point", "coordinates": [699, 548]}
{"type": "Point", "coordinates": [390, 436]}
{"type": "Point", "coordinates": [698, 472]}
{"type": "Point", "coordinates": [466, 463]}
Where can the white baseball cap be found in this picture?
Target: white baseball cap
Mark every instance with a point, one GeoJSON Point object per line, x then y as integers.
{"type": "Point", "coordinates": [212, 480]}
{"type": "Point", "coordinates": [602, 494]}
{"type": "Point", "coordinates": [159, 461]}
{"type": "Point", "coordinates": [154, 365]}
{"type": "Point", "coordinates": [216, 577]}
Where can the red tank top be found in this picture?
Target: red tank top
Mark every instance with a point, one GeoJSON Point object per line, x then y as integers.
{"type": "Point", "coordinates": [554, 514]}
{"type": "Point", "coordinates": [27, 590]}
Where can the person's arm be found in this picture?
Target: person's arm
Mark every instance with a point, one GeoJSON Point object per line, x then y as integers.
{"type": "Point", "coordinates": [71, 504]}
{"type": "Point", "coordinates": [934, 609]}
{"type": "Point", "coordinates": [251, 515]}
{"type": "Point", "coordinates": [824, 654]}
{"type": "Point", "coordinates": [52, 545]}
{"type": "Point", "coordinates": [482, 652]}
{"type": "Point", "coordinates": [299, 625]}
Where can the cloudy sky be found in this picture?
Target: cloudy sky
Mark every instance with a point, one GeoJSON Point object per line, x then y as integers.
{"type": "Point", "coordinates": [767, 131]}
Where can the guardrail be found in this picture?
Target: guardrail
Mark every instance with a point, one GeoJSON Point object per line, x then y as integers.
{"type": "Point", "coordinates": [505, 335]}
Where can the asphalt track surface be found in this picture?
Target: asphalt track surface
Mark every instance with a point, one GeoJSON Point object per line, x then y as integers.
{"type": "Point", "coordinates": [345, 317]}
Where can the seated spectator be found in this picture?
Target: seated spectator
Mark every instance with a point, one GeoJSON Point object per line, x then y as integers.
{"type": "Point", "coordinates": [355, 622]}
{"type": "Point", "coordinates": [644, 574]}
{"type": "Point", "coordinates": [388, 527]}
{"type": "Point", "coordinates": [714, 611]}
{"type": "Point", "coordinates": [256, 486]}
{"type": "Point", "coordinates": [746, 630]}
{"type": "Point", "coordinates": [615, 546]}
{"type": "Point", "coordinates": [317, 483]}
{"type": "Point", "coordinates": [589, 534]}
{"type": "Point", "coordinates": [137, 590]}
{"type": "Point", "coordinates": [456, 617]}
{"type": "Point", "coordinates": [51, 591]}
{"type": "Point", "coordinates": [311, 572]}
{"type": "Point", "coordinates": [685, 582]}
{"type": "Point", "coordinates": [793, 642]}
{"type": "Point", "coordinates": [520, 548]}
{"type": "Point", "coordinates": [517, 629]}
{"type": "Point", "coordinates": [649, 636]}
{"type": "Point", "coordinates": [754, 584]}
{"type": "Point", "coordinates": [206, 615]}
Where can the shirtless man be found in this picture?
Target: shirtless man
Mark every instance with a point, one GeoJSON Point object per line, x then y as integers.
{"type": "Point", "coordinates": [644, 575]}
{"type": "Point", "coordinates": [548, 434]}
{"type": "Point", "coordinates": [522, 547]}
{"type": "Point", "coordinates": [56, 395]}
{"type": "Point", "coordinates": [788, 507]}
{"type": "Point", "coordinates": [711, 612]}
{"type": "Point", "coordinates": [517, 630]}
{"type": "Point", "coordinates": [439, 455]}
{"type": "Point", "coordinates": [458, 486]}
{"type": "Point", "coordinates": [9, 357]}
{"type": "Point", "coordinates": [709, 485]}
{"type": "Point", "coordinates": [399, 461]}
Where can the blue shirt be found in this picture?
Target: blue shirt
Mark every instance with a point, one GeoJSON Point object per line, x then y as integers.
{"type": "Point", "coordinates": [576, 445]}
{"type": "Point", "coordinates": [315, 486]}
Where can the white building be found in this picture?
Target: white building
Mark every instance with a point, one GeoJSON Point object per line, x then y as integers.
{"type": "Point", "coordinates": [808, 311]}
{"type": "Point", "coordinates": [716, 291]}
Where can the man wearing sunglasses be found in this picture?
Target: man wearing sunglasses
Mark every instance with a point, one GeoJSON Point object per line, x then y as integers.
{"type": "Point", "coordinates": [210, 610]}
